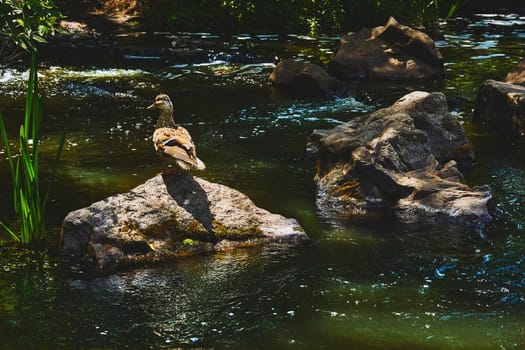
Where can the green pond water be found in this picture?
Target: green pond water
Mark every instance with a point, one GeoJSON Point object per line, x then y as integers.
{"type": "Point", "coordinates": [356, 287]}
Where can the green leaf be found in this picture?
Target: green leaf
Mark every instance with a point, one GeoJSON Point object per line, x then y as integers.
{"type": "Point", "coordinates": [453, 8]}
{"type": "Point", "coordinates": [5, 140]}
{"type": "Point", "coordinates": [39, 39]}
{"type": "Point", "coordinates": [13, 235]}
{"type": "Point", "coordinates": [55, 165]}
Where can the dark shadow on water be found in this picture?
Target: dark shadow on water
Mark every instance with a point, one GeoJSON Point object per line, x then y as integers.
{"type": "Point", "coordinates": [431, 237]}
{"type": "Point", "coordinates": [189, 194]}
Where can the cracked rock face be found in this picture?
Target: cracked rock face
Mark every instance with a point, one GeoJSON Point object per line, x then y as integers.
{"type": "Point", "coordinates": [170, 216]}
{"type": "Point", "coordinates": [402, 160]}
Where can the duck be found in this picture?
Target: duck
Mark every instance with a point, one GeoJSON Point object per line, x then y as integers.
{"type": "Point", "coordinates": [172, 142]}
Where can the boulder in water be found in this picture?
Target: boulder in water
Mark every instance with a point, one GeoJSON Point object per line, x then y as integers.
{"type": "Point", "coordinates": [401, 160]}
{"type": "Point", "coordinates": [390, 52]}
{"type": "Point", "coordinates": [170, 216]}
{"type": "Point", "coordinates": [304, 78]}
{"type": "Point", "coordinates": [517, 75]}
{"type": "Point", "coordinates": [501, 107]}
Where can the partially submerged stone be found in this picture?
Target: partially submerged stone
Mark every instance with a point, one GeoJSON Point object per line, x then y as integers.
{"type": "Point", "coordinates": [517, 75]}
{"type": "Point", "coordinates": [170, 216]}
{"type": "Point", "coordinates": [501, 107]}
{"type": "Point", "coordinates": [401, 160]}
{"type": "Point", "coordinates": [303, 78]}
{"type": "Point", "coordinates": [390, 52]}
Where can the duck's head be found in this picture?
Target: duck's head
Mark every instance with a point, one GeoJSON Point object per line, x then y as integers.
{"type": "Point", "coordinates": [163, 103]}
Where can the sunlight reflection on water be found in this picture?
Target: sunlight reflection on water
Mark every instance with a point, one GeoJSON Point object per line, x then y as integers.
{"type": "Point", "coordinates": [371, 287]}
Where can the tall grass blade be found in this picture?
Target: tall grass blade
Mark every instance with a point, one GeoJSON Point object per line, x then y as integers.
{"type": "Point", "coordinates": [10, 161]}
{"type": "Point", "coordinates": [30, 92]}
{"type": "Point", "coordinates": [24, 219]}
{"type": "Point", "coordinates": [5, 140]}
{"type": "Point", "coordinates": [10, 232]}
{"type": "Point", "coordinates": [16, 186]}
{"type": "Point", "coordinates": [453, 8]}
{"type": "Point", "coordinates": [60, 148]}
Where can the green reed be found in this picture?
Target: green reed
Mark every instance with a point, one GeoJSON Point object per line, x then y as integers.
{"type": "Point", "coordinates": [28, 203]}
{"type": "Point", "coordinates": [428, 12]}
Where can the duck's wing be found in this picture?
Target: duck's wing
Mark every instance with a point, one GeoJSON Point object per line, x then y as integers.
{"type": "Point", "coordinates": [176, 145]}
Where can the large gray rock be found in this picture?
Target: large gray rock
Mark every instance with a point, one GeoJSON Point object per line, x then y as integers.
{"type": "Point", "coordinates": [390, 52]}
{"type": "Point", "coordinates": [501, 107]}
{"type": "Point", "coordinates": [304, 78]}
{"type": "Point", "coordinates": [402, 160]}
{"type": "Point", "coordinates": [170, 216]}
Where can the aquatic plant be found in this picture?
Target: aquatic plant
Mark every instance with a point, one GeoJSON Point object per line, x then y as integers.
{"type": "Point", "coordinates": [26, 24]}
{"type": "Point", "coordinates": [421, 13]}
{"type": "Point", "coordinates": [28, 203]}
{"type": "Point", "coordinates": [427, 13]}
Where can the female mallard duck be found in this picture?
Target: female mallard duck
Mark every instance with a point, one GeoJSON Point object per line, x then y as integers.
{"type": "Point", "coordinates": [172, 142]}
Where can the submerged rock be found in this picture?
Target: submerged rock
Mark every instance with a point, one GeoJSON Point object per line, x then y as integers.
{"type": "Point", "coordinates": [501, 107]}
{"type": "Point", "coordinates": [304, 78]}
{"type": "Point", "coordinates": [170, 216]}
{"type": "Point", "coordinates": [517, 75]}
{"type": "Point", "coordinates": [402, 160]}
{"type": "Point", "coordinates": [390, 52]}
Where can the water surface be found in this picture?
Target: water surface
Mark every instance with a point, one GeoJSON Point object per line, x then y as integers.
{"type": "Point", "coordinates": [357, 286]}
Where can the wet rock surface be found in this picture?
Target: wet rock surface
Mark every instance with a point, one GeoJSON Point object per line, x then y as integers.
{"type": "Point", "coordinates": [401, 160]}
{"type": "Point", "coordinates": [304, 78]}
{"type": "Point", "coordinates": [390, 52]}
{"type": "Point", "coordinates": [170, 216]}
{"type": "Point", "coordinates": [517, 75]}
{"type": "Point", "coordinates": [500, 106]}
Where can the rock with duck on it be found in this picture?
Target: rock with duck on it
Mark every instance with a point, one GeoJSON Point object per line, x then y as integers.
{"type": "Point", "coordinates": [170, 216]}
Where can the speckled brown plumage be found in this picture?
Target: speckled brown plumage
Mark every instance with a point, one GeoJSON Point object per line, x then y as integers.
{"type": "Point", "coordinates": [172, 142]}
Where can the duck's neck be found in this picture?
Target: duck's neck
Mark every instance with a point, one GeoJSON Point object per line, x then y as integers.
{"type": "Point", "coordinates": [165, 120]}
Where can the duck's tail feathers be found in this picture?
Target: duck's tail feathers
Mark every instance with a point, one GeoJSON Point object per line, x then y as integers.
{"type": "Point", "coordinates": [200, 164]}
